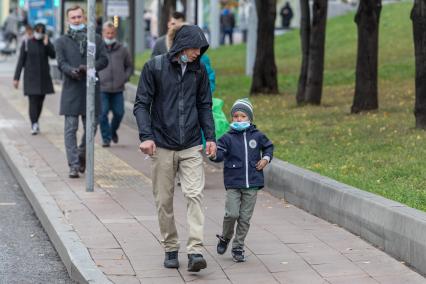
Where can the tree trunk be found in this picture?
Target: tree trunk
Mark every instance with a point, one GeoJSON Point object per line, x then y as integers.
{"type": "Point", "coordinates": [265, 70]}
{"type": "Point", "coordinates": [367, 19]}
{"type": "Point", "coordinates": [305, 31]}
{"type": "Point", "coordinates": [418, 16]}
{"type": "Point", "coordinates": [316, 53]}
{"type": "Point", "coordinates": [168, 7]}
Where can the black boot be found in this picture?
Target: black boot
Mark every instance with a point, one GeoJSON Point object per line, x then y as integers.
{"type": "Point", "coordinates": [196, 262]}
{"type": "Point", "coordinates": [222, 245]}
{"type": "Point", "coordinates": [171, 260]}
{"type": "Point", "coordinates": [73, 173]}
{"type": "Point", "coordinates": [82, 161]}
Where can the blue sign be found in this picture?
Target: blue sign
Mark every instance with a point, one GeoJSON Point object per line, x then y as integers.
{"type": "Point", "coordinates": [42, 11]}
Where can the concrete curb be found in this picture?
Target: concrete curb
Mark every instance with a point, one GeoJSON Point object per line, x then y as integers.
{"type": "Point", "coordinates": [391, 226]}
{"type": "Point", "coordinates": [70, 248]}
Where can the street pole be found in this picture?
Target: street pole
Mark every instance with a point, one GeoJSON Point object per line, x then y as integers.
{"type": "Point", "coordinates": [214, 23]}
{"type": "Point", "coordinates": [140, 34]}
{"type": "Point", "coordinates": [251, 38]}
{"type": "Point", "coordinates": [90, 98]}
{"type": "Point", "coordinates": [196, 13]}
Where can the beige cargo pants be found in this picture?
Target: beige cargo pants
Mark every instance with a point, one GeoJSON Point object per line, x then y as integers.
{"type": "Point", "coordinates": [188, 164]}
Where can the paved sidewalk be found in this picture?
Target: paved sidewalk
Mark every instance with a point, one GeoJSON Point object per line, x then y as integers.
{"type": "Point", "coordinates": [118, 223]}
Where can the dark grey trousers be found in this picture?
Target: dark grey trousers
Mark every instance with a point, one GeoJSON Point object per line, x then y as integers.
{"type": "Point", "coordinates": [239, 208]}
{"type": "Point", "coordinates": [70, 135]}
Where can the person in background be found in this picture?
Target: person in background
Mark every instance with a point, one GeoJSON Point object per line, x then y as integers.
{"type": "Point", "coordinates": [36, 49]}
{"type": "Point", "coordinates": [286, 14]}
{"type": "Point", "coordinates": [11, 28]}
{"type": "Point", "coordinates": [113, 78]}
{"type": "Point", "coordinates": [163, 43]}
{"type": "Point", "coordinates": [227, 25]}
{"type": "Point", "coordinates": [71, 51]}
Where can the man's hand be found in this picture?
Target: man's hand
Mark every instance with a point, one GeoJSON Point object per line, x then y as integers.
{"type": "Point", "coordinates": [46, 40]}
{"type": "Point", "coordinates": [211, 149]}
{"type": "Point", "coordinates": [82, 69]}
{"type": "Point", "coordinates": [16, 84]}
{"type": "Point", "coordinates": [261, 164]}
{"type": "Point", "coordinates": [75, 74]}
{"type": "Point", "coordinates": [148, 147]}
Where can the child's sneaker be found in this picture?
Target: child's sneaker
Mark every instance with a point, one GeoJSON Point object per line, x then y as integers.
{"type": "Point", "coordinates": [238, 255]}
{"type": "Point", "coordinates": [222, 245]}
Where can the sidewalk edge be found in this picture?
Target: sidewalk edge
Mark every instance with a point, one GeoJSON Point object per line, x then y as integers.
{"type": "Point", "coordinates": [67, 243]}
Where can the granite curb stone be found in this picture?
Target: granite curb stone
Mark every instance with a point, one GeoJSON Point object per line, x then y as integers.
{"type": "Point", "coordinates": [72, 251]}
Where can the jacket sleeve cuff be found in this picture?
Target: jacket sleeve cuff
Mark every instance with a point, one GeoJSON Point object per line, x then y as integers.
{"type": "Point", "coordinates": [267, 158]}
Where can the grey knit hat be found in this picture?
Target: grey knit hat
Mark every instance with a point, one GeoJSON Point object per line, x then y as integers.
{"type": "Point", "coordinates": [245, 106]}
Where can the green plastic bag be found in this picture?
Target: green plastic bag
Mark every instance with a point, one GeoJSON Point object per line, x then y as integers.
{"type": "Point", "coordinates": [220, 122]}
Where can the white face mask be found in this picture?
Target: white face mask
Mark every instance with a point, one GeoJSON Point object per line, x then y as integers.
{"type": "Point", "coordinates": [38, 36]}
{"type": "Point", "coordinates": [77, 27]}
{"type": "Point", "coordinates": [109, 41]}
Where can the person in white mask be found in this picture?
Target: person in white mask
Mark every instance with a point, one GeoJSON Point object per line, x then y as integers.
{"type": "Point", "coordinates": [34, 59]}
{"type": "Point", "coordinates": [71, 51]}
{"type": "Point", "coordinates": [113, 78]}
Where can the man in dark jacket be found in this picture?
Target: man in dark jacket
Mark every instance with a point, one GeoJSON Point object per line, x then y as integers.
{"type": "Point", "coordinates": [71, 51]}
{"type": "Point", "coordinates": [173, 103]}
{"type": "Point", "coordinates": [113, 78]}
{"type": "Point", "coordinates": [286, 15]}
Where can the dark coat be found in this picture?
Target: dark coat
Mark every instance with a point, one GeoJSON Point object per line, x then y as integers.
{"type": "Point", "coordinates": [34, 58]}
{"type": "Point", "coordinates": [118, 71]}
{"type": "Point", "coordinates": [171, 109]}
{"type": "Point", "coordinates": [160, 46]}
{"type": "Point", "coordinates": [240, 151]}
{"type": "Point", "coordinates": [73, 97]}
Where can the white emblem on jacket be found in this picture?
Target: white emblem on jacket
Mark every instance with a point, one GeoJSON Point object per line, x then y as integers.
{"type": "Point", "coordinates": [252, 143]}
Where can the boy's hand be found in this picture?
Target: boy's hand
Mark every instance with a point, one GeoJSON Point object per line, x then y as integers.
{"type": "Point", "coordinates": [261, 164]}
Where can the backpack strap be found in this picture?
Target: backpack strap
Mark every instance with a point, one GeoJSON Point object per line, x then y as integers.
{"type": "Point", "coordinates": [158, 59]}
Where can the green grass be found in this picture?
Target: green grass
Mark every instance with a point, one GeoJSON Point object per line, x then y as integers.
{"type": "Point", "coordinates": [380, 152]}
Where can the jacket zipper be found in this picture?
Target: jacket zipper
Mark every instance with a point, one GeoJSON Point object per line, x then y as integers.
{"type": "Point", "coordinates": [246, 151]}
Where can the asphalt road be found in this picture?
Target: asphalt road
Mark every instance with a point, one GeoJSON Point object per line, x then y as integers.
{"type": "Point", "coordinates": [26, 253]}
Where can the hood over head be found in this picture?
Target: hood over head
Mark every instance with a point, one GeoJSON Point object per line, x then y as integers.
{"type": "Point", "coordinates": [188, 36]}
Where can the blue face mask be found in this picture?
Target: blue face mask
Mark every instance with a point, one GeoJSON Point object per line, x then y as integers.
{"type": "Point", "coordinates": [184, 58]}
{"type": "Point", "coordinates": [240, 126]}
{"type": "Point", "coordinates": [77, 27]}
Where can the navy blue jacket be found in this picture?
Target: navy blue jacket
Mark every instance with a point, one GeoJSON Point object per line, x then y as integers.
{"type": "Point", "coordinates": [240, 152]}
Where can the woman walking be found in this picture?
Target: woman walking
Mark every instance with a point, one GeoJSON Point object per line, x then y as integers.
{"type": "Point", "coordinates": [34, 58]}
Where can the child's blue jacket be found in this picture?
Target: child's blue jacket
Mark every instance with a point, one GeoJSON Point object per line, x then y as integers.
{"type": "Point", "coordinates": [240, 152]}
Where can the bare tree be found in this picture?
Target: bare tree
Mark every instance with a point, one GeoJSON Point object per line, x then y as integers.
{"type": "Point", "coordinates": [367, 19]}
{"type": "Point", "coordinates": [316, 53]}
{"type": "Point", "coordinates": [265, 70]}
{"type": "Point", "coordinates": [305, 32]}
{"type": "Point", "coordinates": [418, 16]}
{"type": "Point", "coordinates": [168, 7]}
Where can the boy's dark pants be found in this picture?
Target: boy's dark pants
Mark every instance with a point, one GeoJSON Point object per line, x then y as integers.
{"type": "Point", "coordinates": [239, 208]}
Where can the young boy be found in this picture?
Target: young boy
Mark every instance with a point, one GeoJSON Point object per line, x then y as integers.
{"type": "Point", "coordinates": [245, 152]}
